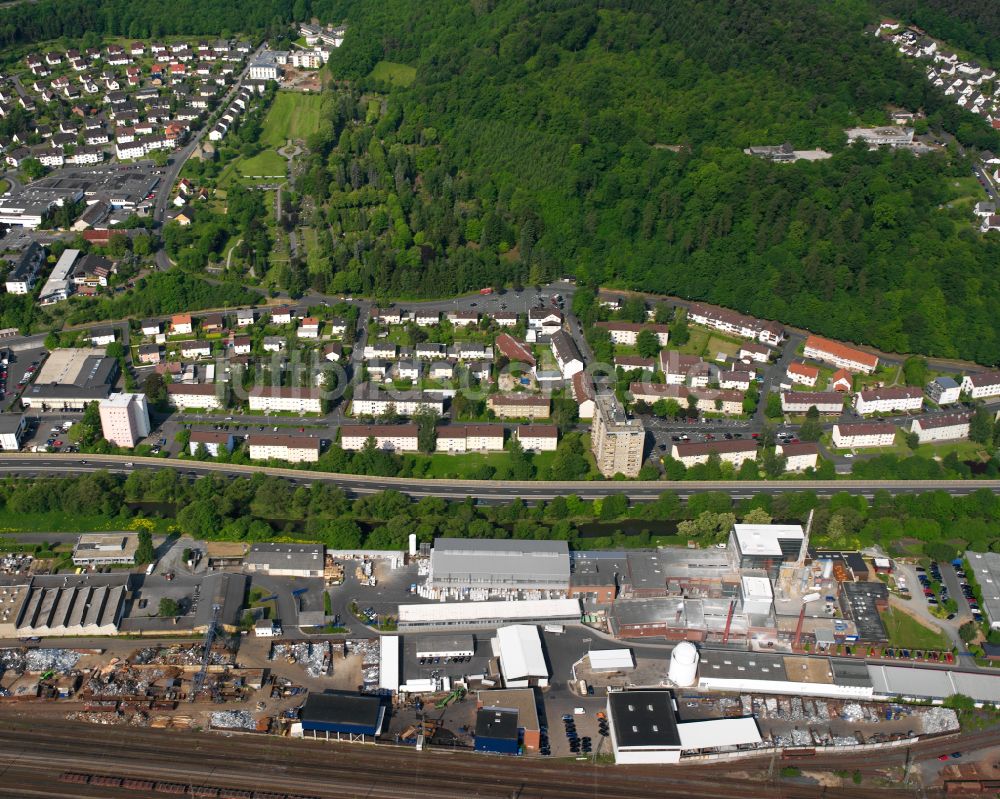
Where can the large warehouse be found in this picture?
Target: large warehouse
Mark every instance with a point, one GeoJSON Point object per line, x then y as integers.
{"type": "Point", "coordinates": [645, 729]}
{"type": "Point", "coordinates": [522, 661]}
{"type": "Point", "coordinates": [71, 379]}
{"type": "Point", "coordinates": [336, 715]}
{"type": "Point", "coordinates": [451, 615]}
{"type": "Point", "coordinates": [465, 564]}
{"type": "Point", "coordinates": [286, 560]}
{"type": "Point", "coordinates": [77, 605]}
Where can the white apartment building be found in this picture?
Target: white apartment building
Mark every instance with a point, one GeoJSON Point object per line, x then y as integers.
{"type": "Point", "coordinates": [736, 324]}
{"type": "Point", "coordinates": [194, 395]}
{"type": "Point", "coordinates": [294, 449]}
{"type": "Point", "coordinates": [864, 434]}
{"type": "Point", "coordinates": [627, 333]}
{"type": "Point", "coordinates": [538, 437]}
{"type": "Point", "coordinates": [891, 399]}
{"type": "Point", "coordinates": [829, 402]}
{"type": "Point", "coordinates": [982, 385]}
{"type": "Point", "coordinates": [459, 438]}
{"type": "Point", "coordinates": [370, 400]}
{"type": "Point", "coordinates": [798, 457]}
{"type": "Point", "coordinates": [840, 355]}
{"type": "Point", "coordinates": [944, 427]}
{"type": "Point", "coordinates": [212, 440]}
{"type": "Point", "coordinates": [390, 437]}
{"type": "Point", "coordinates": [124, 419]}
{"type": "Point", "coordinates": [286, 398]}
{"type": "Point", "coordinates": [734, 452]}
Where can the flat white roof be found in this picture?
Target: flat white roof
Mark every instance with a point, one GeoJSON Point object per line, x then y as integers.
{"type": "Point", "coordinates": [757, 587]}
{"type": "Point", "coordinates": [718, 732]}
{"type": "Point", "coordinates": [472, 611]}
{"type": "Point", "coordinates": [611, 659]}
{"type": "Point", "coordinates": [934, 683]}
{"type": "Point", "coordinates": [762, 539]}
{"type": "Point", "coordinates": [388, 665]}
{"type": "Point", "coordinates": [519, 647]}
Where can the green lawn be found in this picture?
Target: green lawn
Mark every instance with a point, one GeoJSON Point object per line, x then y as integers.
{"type": "Point", "coordinates": [396, 74]}
{"type": "Point", "coordinates": [905, 631]}
{"type": "Point", "coordinates": [293, 115]}
{"type": "Point", "coordinates": [466, 464]}
{"type": "Point", "coordinates": [266, 163]}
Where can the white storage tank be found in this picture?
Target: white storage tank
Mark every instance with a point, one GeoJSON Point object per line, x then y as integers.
{"type": "Point", "coordinates": [683, 670]}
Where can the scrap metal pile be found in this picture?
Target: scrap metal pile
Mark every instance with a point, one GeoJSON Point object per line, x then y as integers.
{"type": "Point", "coordinates": [316, 658]}
{"type": "Point", "coordinates": [232, 720]}
{"type": "Point", "coordinates": [370, 653]}
{"type": "Point", "coordinates": [182, 655]}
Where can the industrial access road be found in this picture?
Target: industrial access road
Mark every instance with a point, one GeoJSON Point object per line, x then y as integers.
{"type": "Point", "coordinates": [29, 464]}
{"type": "Point", "coordinates": [36, 752]}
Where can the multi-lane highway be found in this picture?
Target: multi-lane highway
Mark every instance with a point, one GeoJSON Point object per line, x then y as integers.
{"type": "Point", "coordinates": [487, 490]}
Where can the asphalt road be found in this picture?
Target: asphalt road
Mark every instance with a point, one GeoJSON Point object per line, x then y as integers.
{"type": "Point", "coordinates": [493, 490]}
{"type": "Point", "coordinates": [36, 753]}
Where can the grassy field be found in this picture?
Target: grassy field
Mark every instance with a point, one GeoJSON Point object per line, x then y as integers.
{"type": "Point", "coordinates": [292, 115]}
{"type": "Point", "coordinates": [266, 163]}
{"type": "Point", "coordinates": [464, 465]}
{"type": "Point", "coordinates": [59, 522]}
{"type": "Point", "coordinates": [396, 74]}
{"type": "Point", "coordinates": [905, 631]}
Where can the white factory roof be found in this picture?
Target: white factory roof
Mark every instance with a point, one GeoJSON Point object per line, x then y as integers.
{"type": "Point", "coordinates": [718, 733]}
{"type": "Point", "coordinates": [611, 659]}
{"type": "Point", "coordinates": [445, 612]}
{"type": "Point", "coordinates": [757, 587]}
{"type": "Point", "coordinates": [519, 647]}
{"type": "Point", "coordinates": [762, 539]}
{"type": "Point", "coordinates": [388, 665]}
{"type": "Point", "coordinates": [908, 681]}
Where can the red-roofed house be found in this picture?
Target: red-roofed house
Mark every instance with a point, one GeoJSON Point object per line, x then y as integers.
{"type": "Point", "coordinates": [802, 373]}
{"type": "Point", "coordinates": [514, 349]}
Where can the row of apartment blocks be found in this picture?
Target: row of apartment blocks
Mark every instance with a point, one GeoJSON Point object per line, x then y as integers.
{"type": "Point", "coordinates": [209, 396]}
{"type": "Point", "coordinates": [940, 427]}
{"type": "Point", "coordinates": [798, 456]}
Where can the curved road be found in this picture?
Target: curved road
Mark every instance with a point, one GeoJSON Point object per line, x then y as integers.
{"type": "Point", "coordinates": [488, 490]}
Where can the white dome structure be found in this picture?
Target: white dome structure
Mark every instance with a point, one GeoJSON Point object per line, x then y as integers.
{"type": "Point", "coordinates": [683, 671]}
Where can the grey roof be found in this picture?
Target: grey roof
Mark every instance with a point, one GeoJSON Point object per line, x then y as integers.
{"type": "Point", "coordinates": [496, 724]}
{"type": "Point", "coordinates": [286, 556]}
{"type": "Point", "coordinates": [10, 422]}
{"type": "Point", "coordinates": [924, 683]}
{"type": "Point", "coordinates": [225, 589]}
{"type": "Point", "coordinates": [738, 665]}
{"type": "Point", "coordinates": [461, 561]}
{"type": "Point", "coordinates": [446, 643]}
{"type": "Point", "coordinates": [860, 601]}
{"type": "Point", "coordinates": [644, 718]}
{"type": "Point", "coordinates": [986, 567]}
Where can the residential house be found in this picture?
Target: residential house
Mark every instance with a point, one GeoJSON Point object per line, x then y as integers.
{"type": "Point", "coordinates": [333, 351]}
{"type": "Point", "coordinates": [754, 352]}
{"type": "Point", "coordinates": [195, 349]}
{"type": "Point", "coordinates": [181, 325]}
{"type": "Point", "coordinates": [277, 446]}
{"type": "Point", "coordinates": [566, 354]}
{"type": "Point", "coordinates": [583, 392]}
{"type": "Point", "coordinates": [514, 350]}
{"type": "Point", "coordinates": [679, 369]}
{"type": "Point", "coordinates": [463, 318]}
{"type": "Point", "coordinates": [627, 333]}
{"type": "Point", "coordinates": [241, 345]}
{"type": "Point", "coordinates": [707, 400]}
{"type": "Point", "coordinates": [150, 354]}
{"type": "Point", "coordinates": [213, 441]}
{"type": "Point", "coordinates": [245, 317]}
{"type": "Point", "coordinates": [274, 344]}
{"type": "Point", "coordinates": [212, 323]}
{"type": "Point", "coordinates": [736, 324]}
{"type": "Point", "coordinates": [802, 373]}
{"type": "Point", "coordinates": [842, 381]}
{"type": "Point", "coordinates": [981, 385]}
{"type": "Point", "coordinates": [309, 328]}
{"type": "Point", "coordinates": [194, 395]}
{"type": "Point", "coordinates": [545, 321]}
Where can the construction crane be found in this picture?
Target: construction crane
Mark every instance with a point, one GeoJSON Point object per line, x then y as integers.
{"type": "Point", "coordinates": [206, 654]}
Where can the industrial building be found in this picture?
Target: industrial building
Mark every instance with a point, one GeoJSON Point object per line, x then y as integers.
{"type": "Point", "coordinates": [222, 595]}
{"type": "Point", "coordinates": [645, 729]}
{"type": "Point", "coordinates": [497, 731]}
{"type": "Point", "coordinates": [986, 568]}
{"type": "Point", "coordinates": [595, 579]}
{"type": "Point", "coordinates": [340, 716]}
{"type": "Point", "coordinates": [12, 428]}
{"type": "Point", "coordinates": [73, 605]}
{"type": "Point", "coordinates": [446, 646]}
{"type": "Point", "coordinates": [71, 379]}
{"type": "Point", "coordinates": [389, 664]}
{"type": "Point", "coordinates": [105, 549]}
{"type": "Point", "coordinates": [499, 565]}
{"type": "Point", "coordinates": [286, 560]}
{"type": "Point", "coordinates": [471, 615]}
{"type": "Point", "coordinates": [765, 546]}
{"type": "Point", "coordinates": [522, 661]}
{"type": "Point", "coordinates": [521, 701]}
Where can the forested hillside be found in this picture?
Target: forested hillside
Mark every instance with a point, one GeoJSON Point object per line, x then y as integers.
{"type": "Point", "coordinates": [613, 131]}
{"type": "Point", "coordinates": [971, 24]}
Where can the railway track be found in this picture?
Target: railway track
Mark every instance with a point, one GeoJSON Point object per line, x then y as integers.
{"type": "Point", "coordinates": [38, 754]}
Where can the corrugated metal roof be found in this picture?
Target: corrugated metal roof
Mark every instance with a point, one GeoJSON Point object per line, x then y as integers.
{"type": "Point", "coordinates": [520, 649]}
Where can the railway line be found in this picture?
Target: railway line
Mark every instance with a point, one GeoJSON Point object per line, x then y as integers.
{"type": "Point", "coordinates": [39, 754]}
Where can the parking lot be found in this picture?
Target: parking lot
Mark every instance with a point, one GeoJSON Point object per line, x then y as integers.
{"type": "Point", "coordinates": [50, 431]}
{"type": "Point", "coordinates": [17, 372]}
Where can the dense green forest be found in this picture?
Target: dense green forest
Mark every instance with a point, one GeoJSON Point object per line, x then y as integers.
{"type": "Point", "coordinates": [260, 508]}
